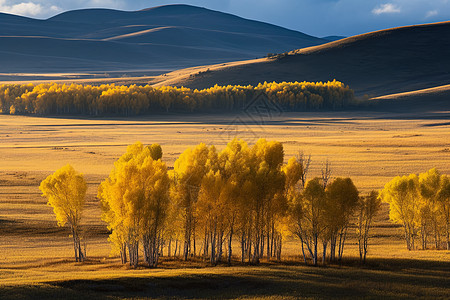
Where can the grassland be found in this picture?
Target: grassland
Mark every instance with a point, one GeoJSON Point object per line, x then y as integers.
{"type": "Point", "coordinates": [382, 279]}
{"type": "Point", "coordinates": [35, 255]}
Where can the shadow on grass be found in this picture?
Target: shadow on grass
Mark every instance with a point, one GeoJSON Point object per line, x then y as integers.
{"type": "Point", "coordinates": [381, 278]}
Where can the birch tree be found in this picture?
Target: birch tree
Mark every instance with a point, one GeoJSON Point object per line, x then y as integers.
{"type": "Point", "coordinates": [66, 191]}
{"type": "Point", "coordinates": [341, 200]}
{"type": "Point", "coordinates": [135, 201]}
{"type": "Point", "coordinates": [368, 207]}
{"type": "Point", "coordinates": [402, 196]}
{"type": "Point", "coordinates": [308, 216]}
{"type": "Point", "coordinates": [269, 182]}
{"type": "Point", "coordinates": [235, 167]}
{"type": "Point", "coordinates": [295, 180]}
{"type": "Point", "coordinates": [431, 219]}
{"type": "Point", "coordinates": [211, 207]}
{"type": "Point", "coordinates": [189, 170]}
{"type": "Point", "coordinates": [443, 199]}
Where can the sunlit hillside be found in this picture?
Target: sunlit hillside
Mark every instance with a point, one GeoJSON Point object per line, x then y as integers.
{"type": "Point", "coordinates": [377, 63]}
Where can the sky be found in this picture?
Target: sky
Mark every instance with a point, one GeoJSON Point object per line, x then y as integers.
{"type": "Point", "coordinates": [316, 17]}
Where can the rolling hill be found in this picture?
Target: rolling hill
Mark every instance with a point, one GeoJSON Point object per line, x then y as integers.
{"type": "Point", "coordinates": [436, 98]}
{"type": "Point", "coordinates": [378, 63]}
{"type": "Point", "coordinates": [172, 36]}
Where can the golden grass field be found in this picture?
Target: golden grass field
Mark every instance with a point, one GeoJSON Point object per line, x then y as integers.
{"type": "Point", "coordinates": [370, 147]}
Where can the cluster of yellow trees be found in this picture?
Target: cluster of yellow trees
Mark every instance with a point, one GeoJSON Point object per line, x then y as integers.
{"type": "Point", "coordinates": [73, 99]}
{"type": "Point", "coordinates": [135, 202]}
{"type": "Point", "coordinates": [211, 199]}
{"type": "Point", "coordinates": [421, 203]}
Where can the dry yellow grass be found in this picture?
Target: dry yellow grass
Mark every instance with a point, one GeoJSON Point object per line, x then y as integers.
{"type": "Point", "coordinates": [369, 147]}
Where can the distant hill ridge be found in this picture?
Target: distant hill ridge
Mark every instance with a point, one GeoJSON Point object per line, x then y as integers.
{"type": "Point", "coordinates": [378, 63]}
{"type": "Point", "coordinates": [171, 36]}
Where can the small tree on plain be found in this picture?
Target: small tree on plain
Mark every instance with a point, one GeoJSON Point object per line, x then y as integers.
{"type": "Point", "coordinates": [341, 201]}
{"type": "Point", "coordinates": [66, 191]}
{"type": "Point", "coordinates": [368, 207]}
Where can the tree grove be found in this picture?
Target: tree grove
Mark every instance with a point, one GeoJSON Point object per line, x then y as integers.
{"type": "Point", "coordinates": [109, 99]}
{"type": "Point", "coordinates": [420, 203]}
{"type": "Point", "coordinates": [244, 196]}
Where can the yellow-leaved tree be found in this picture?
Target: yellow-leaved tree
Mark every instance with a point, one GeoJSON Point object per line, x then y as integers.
{"type": "Point", "coordinates": [66, 190]}
{"type": "Point", "coordinates": [135, 201]}
{"type": "Point", "coordinates": [211, 208]}
{"type": "Point", "coordinates": [269, 181]}
{"type": "Point", "coordinates": [307, 213]}
{"type": "Point", "coordinates": [368, 207]}
{"type": "Point", "coordinates": [341, 201]}
{"type": "Point", "coordinates": [188, 173]}
{"type": "Point", "coordinates": [430, 221]}
{"type": "Point", "coordinates": [444, 203]}
{"type": "Point", "coordinates": [235, 168]}
{"type": "Point", "coordinates": [294, 173]}
{"type": "Point", "coordinates": [421, 204]}
{"type": "Point", "coordinates": [401, 193]}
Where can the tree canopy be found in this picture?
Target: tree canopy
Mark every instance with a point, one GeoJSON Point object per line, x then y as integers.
{"type": "Point", "coordinates": [244, 194]}
{"type": "Point", "coordinates": [66, 191]}
{"type": "Point", "coordinates": [135, 201]}
{"type": "Point", "coordinates": [421, 204]}
{"type": "Point", "coordinates": [110, 99]}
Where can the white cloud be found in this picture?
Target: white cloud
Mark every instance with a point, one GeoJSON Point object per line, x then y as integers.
{"type": "Point", "coordinates": [431, 13]}
{"type": "Point", "coordinates": [319, 17]}
{"type": "Point", "coordinates": [29, 9]}
{"type": "Point", "coordinates": [387, 8]}
{"type": "Point", "coordinates": [24, 8]}
{"type": "Point", "coordinates": [106, 3]}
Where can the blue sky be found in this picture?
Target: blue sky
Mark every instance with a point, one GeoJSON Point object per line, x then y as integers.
{"type": "Point", "coordinates": [315, 17]}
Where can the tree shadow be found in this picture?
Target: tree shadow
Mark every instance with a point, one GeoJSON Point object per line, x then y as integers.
{"type": "Point", "coordinates": [378, 278]}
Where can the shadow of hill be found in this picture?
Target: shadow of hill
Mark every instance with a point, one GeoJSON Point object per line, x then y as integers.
{"type": "Point", "coordinates": [172, 36]}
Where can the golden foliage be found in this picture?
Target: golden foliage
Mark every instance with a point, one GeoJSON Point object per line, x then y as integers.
{"type": "Point", "coordinates": [244, 193]}
{"type": "Point", "coordinates": [66, 190]}
{"type": "Point", "coordinates": [53, 98]}
{"type": "Point", "coordinates": [135, 200]}
{"type": "Point", "coordinates": [421, 204]}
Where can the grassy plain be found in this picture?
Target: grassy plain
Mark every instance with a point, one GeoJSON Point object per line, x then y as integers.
{"type": "Point", "coordinates": [370, 147]}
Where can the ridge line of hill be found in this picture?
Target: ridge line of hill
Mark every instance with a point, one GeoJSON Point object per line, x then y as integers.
{"type": "Point", "coordinates": [210, 35]}
{"type": "Point", "coordinates": [384, 62]}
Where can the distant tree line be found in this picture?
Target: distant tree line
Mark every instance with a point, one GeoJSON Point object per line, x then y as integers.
{"type": "Point", "coordinates": [211, 199]}
{"type": "Point", "coordinates": [75, 99]}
